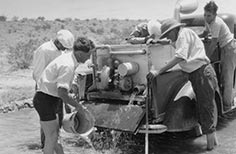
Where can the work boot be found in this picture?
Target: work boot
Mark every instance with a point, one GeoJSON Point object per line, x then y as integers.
{"type": "Point", "coordinates": [211, 140]}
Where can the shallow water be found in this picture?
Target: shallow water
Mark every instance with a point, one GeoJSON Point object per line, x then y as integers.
{"type": "Point", "coordinates": [19, 134]}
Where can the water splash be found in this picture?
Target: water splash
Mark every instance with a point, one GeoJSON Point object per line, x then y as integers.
{"type": "Point", "coordinates": [86, 137]}
{"type": "Point", "coordinates": [132, 98]}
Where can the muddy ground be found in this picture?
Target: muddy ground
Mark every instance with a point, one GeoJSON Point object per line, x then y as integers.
{"type": "Point", "coordinates": [19, 133]}
{"type": "Point", "coordinates": [19, 130]}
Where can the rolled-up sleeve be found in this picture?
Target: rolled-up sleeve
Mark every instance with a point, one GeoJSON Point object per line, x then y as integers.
{"type": "Point", "coordinates": [182, 48]}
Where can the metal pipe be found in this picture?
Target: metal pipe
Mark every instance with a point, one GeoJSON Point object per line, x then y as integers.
{"type": "Point", "coordinates": [139, 88]}
{"type": "Point", "coordinates": [135, 52]}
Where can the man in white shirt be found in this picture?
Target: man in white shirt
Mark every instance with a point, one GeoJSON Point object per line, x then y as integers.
{"type": "Point", "coordinates": [191, 57]}
{"type": "Point", "coordinates": [221, 34]}
{"type": "Point", "coordinates": [46, 53]}
{"type": "Point", "coordinates": [54, 84]}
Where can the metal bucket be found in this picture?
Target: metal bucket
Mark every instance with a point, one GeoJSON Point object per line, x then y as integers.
{"type": "Point", "coordinates": [78, 122]}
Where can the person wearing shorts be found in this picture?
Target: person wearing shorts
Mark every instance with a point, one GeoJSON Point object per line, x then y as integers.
{"type": "Point", "coordinates": [54, 84]}
{"type": "Point", "coordinates": [46, 53]}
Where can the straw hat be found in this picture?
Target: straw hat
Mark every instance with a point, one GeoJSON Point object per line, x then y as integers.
{"type": "Point", "coordinates": [169, 25]}
{"type": "Point", "coordinates": [66, 38]}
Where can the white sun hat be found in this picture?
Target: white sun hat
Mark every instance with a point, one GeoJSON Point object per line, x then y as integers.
{"type": "Point", "coordinates": [154, 27]}
{"type": "Point", "coordinates": [66, 38]}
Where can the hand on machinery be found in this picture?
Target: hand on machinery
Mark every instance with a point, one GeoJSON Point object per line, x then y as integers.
{"type": "Point", "coordinates": [151, 75]}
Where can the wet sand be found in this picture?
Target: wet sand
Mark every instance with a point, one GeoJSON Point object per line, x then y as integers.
{"type": "Point", "coordinates": [19, 133]}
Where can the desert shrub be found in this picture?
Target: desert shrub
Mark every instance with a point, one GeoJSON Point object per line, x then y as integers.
{"type": "Point", "coordinates": [68, 20]}
{"type": "Point", "coordinates": [37, 27]}
{"type": "Point", "coordinates": [15, 18]}
{"type": "Point", "coordinates": [24, 19]}
{"type": "Point", "coordinates": [100, 31]}
{"type": "Point", "coordinates": [126, 31]}
{"type": "Point", "coordinates": [110, 39]}
{"type": "Point", "coordinates": [115, 30]}
{"type": "Point", "coordinates": [59, 20]}
{"type": "Point", "coordinates": [92, 29]}
{"type": "Point", "coordinates": [41, 18]}
{"type": "Point", "coordinates": [20, 56]}
{"type": "Point", "coordinates": [46, 26]}
{"type": "Point", "coordinates": [3, 18]}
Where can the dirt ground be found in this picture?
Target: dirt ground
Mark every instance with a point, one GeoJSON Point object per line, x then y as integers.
{"type": "Point", "coordinates": [19, 133]}
{"type": "Point", "coordinates": [16, 81]}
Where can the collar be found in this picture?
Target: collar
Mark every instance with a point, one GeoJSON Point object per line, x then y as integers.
{"type": "Point", "coordinates": [53, 45]}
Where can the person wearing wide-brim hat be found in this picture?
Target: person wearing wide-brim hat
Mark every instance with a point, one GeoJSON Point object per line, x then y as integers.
{"type": "Point", "coordinates": [191, 56]}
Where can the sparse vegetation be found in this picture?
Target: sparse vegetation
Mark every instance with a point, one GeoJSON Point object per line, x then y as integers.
{"type": "Point", "coordinates": [20, 57]}
{"type": "Point", "coordinates": [3, 18]}
{"type": "Point", "coordinates": [22, 36]}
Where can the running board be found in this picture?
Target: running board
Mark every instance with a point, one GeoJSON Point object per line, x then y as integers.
{"type": "Point", "coordinates": [153, 129]}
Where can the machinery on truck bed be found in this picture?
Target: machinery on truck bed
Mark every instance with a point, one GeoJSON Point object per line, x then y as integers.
{"type": "Point", "coordinates": [118, 94]}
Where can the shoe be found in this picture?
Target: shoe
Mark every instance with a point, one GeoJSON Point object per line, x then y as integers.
{"type": "Point", "coordinates": [211, 141]}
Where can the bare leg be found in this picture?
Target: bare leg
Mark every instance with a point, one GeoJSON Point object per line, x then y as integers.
{"type": "Point", "coordinates": [50, 128]}
{"type": "Point", "coordinates": [211, 140]}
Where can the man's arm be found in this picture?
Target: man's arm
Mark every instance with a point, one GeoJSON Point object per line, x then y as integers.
{"type": "Point", "coordinates": [210, 50]}
{"type": "Point", "coordinates": [68, 98]}
{"type": "Point", "coordinates": [153, 73]}
{"type": "Point", "coordinates": [203, 34]}
{"type": "Point", "coordinates": [170, 64]}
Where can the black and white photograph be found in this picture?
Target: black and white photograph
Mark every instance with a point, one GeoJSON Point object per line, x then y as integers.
{"type": "Point", "coordinates": [117, 77]}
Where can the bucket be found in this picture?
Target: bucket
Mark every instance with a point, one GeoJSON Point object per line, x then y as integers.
{"type": "Point", "coordinates": [128, 68]}
{"type": "Point", "coordinates": [78, 122]}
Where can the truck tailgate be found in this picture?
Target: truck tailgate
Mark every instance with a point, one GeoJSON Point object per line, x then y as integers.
{"type": "Point", "coordinates": [116, 116]}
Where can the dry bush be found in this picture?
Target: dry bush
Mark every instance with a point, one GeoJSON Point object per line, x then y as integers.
{"type": "Point", "coordinates": [3, 18]}
{"type": "Point", "coordinates": [20, 57]}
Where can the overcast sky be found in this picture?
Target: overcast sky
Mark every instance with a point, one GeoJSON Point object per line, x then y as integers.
{"type": "Point", "coordinates": [101, 9]}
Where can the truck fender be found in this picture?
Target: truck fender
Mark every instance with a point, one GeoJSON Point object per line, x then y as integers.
{"type": "Point", "coordinates": [173, 97]}
{"type": "Point", "coordinates": [181, 113]}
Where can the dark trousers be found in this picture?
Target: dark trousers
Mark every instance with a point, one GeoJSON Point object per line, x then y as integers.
{"type": "Point", "coordinates": [204, 83]}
